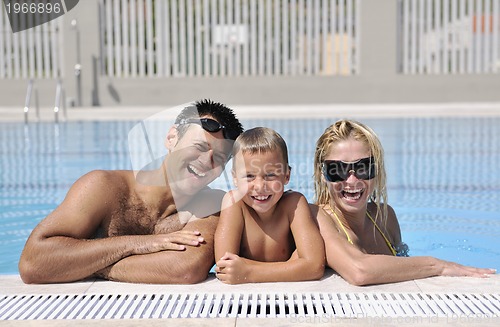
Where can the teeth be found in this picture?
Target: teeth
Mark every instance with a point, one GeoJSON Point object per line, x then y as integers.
{"type": "Point", "coordinates": [353, 194]}
{"type": "Point", "coordinates": [196, 171]}
{"type": "Point", "coordinates": [356, 197]}
{"type": "Point", "coordinates": [261, 197]}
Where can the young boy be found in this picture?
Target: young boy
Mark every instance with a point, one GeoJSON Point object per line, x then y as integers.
{"type": "Point", "coordinates": [265, 234]}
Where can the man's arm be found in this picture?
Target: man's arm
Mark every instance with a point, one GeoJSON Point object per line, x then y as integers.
{"type": "Point", "coordinates": [170, 267]}
{"type": "Point", "coordinates": [359, 268]}
{"type": "Point", "coordinates": [61, 248]}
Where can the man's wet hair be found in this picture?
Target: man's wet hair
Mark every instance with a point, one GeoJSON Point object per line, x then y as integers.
{"type": "Point", "coordinates": [215, 110]}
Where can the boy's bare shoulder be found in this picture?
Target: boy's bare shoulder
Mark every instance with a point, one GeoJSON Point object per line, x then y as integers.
{"type": "Point", "coordinates": [291, 197]}
{"type": "Point", "coordinates": [232, 198]}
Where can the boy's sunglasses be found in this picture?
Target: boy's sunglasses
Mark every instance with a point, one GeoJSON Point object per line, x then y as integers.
{"type": "Point", "coordinates": [211, 126]}
{"type": "Point", "coordinates": [337, 171]}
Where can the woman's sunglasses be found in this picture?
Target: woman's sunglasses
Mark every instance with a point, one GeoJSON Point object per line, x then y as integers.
{"type": "Point", "coordinates": [338, 171]}
{"type": "Point", "coordinates": [211, 126]}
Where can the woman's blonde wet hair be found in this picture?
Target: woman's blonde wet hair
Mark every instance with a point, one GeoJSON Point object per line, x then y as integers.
{"type": "Point", "coordinates": [343, 130]}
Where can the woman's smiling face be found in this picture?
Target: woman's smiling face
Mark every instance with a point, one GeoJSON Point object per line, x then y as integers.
{"type": "Point", "coordinates": [352, 194]}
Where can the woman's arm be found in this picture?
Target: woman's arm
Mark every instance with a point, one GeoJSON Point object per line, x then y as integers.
{"type": "Point", "coordinates": [359, 268]}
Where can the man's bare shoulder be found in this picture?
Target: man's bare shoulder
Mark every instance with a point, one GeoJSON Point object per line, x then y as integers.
{"type": "Point", "coordinates": [111, 178]}
{"type": "Point", "coordinates": [102, 184]}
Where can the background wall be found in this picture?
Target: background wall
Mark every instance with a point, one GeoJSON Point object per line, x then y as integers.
{"type": "Point", "coordinates": [381, 70]}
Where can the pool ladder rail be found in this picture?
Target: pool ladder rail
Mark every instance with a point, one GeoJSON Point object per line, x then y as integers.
{"type": "Point", "coordinates": [59, 102]}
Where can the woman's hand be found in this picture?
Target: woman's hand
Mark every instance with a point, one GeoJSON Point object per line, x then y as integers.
{"type": "Point", "coordinates": [456, 270]}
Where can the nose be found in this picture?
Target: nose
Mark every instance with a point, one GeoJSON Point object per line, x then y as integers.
{"type": "Point", "coordinates": [352, 177]}
{"type": "Point", "coordinates": [259, 184]}
{"type": "Point", "coordinates": [207, 158]}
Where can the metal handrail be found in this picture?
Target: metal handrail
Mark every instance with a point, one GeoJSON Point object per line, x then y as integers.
{"type": "Point", "coordinates": [60, 96]}
{"type": "Point", "coordinates": [27, 101]}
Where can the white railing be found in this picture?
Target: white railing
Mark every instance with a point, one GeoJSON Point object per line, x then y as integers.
{"type": "Point", "coordinates": [450, 36]}
{"type": "Point", "coordinates": [177, 38]}
{"type": "Point", "coordinates": [33, 53]}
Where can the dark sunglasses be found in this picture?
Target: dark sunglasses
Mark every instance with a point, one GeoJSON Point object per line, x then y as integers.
{"type": "Point", "coordinates": [337, 171]}
{"type": "Point", "coordinates": [211, 126]}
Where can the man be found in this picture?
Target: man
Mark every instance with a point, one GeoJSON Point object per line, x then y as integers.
{"type": "Point", "coordinates": [148, 227]}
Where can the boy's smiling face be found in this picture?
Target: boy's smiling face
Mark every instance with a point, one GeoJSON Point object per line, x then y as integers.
{"type": "Point", "coordinates": [260, 179]}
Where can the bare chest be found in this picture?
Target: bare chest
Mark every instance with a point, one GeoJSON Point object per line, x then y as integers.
{"type": "Point", "coordinates": [135, 218]}
{"type": "Point", "coordinates": [267, 243]}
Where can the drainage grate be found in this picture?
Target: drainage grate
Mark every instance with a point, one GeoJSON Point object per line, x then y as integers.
{"type": "Point", "coordinates": [201, 305]}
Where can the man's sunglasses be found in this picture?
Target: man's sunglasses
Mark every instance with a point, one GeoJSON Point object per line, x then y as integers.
{"type": "Point", "coordinates": [337, 171]}
{"type": "Point", "coordinates": [211, 126]}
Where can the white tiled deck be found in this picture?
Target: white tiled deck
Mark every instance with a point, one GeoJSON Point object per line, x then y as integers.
{"type": "Point", "coordinates": [330, 284]}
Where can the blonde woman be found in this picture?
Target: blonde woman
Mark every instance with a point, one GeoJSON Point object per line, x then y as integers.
{"type": "Point", "coordinates": [361, 231]}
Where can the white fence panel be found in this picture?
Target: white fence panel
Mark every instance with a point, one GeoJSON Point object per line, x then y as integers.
{"type": "Point", "coordinates": [450, 36]}
{"type": "Point", "coordinates": [32, 53]}
{"type": "Point", "coordinates": [178, 38]}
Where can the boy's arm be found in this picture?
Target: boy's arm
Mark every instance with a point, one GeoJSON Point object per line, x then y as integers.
{"type": "Point", "coordinates": [230, 227]}
{"type": "Point", "coordinates": [308, 264]}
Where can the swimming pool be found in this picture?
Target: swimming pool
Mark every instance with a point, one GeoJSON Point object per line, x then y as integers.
{"type": "Point", "coordinates": [443, 176]}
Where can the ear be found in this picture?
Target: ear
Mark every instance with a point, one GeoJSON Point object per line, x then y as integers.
{"type": "Point", "coordinates": [172, 138]}
{"type": "Point", "coordinates": [287, 176]}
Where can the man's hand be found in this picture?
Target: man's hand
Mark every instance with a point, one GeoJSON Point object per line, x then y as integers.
{"type": "Point", "coordinates": [175, 241]}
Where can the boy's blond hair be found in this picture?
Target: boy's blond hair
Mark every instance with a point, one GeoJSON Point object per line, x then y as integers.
{"type": "Point", "coordinates": [260, 140]}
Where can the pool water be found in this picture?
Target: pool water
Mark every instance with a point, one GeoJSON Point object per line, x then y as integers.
{"type": "Point", "coordinates": [443, 176]}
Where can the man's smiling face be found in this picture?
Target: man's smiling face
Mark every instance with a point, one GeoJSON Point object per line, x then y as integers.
{"type": "Point", "coordinates": [196, 158]}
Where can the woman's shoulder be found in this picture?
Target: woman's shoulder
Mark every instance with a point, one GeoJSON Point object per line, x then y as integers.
{"type": "Point", "coordinates": [391, 214]}
{"type": "Point", "coordinates": [389, 223]}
